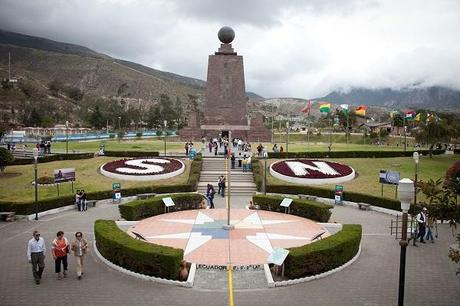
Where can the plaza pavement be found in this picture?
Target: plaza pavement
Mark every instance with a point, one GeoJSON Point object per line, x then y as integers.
{"type": "Point", "coordinates": [371, 280]}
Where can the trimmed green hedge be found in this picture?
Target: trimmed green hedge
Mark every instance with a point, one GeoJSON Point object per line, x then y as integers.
{"type": "Point", "coordinates": [52, 158]}
{"type": "Point", "coordinates": [140, 209]}
{"type": "Point", "coordinates": [350, 154]}
{"type": "Point", "coordinates": [303, 208]}
{"type": "Point", "coordinates": [131, 153]}
{"type": "Point", "coordinates": [27, 208]}
{"type": "Point", "coordinates": [135, 255]}
{"type": "Point", "coordinates": [330, 193]}
{"type": "Point", "coordinates": [325, 254]}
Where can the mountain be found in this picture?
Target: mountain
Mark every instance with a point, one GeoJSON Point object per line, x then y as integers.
{"type": "Point", "coordinates": [434, 98]}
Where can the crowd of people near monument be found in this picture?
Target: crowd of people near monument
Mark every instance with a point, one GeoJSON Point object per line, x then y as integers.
{"type": "Point", "coordinates": [60, 248]}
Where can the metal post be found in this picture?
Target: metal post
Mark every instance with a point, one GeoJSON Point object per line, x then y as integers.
{"type": "Point", "coordinates": [348, 127]}
{"type": "Point", "coordinates": [228, 226]}
{"type": "Point", "coordinates": [265, 175]}
{"type": "Point", "coordinates": [415, 183]}
{"type": "Point", "coordinates": [36, 187]}
{"type": "Point", "coordinates": [405, 134]}
{"type": "Point", "coordinates": [287, 138]}
{"type": "Point", "coordinates": [165, 124]}
{"type": "Point", "coordinates": [67, 137]}
{"type": "Point", "coordinates": [273, 118]}
{"type": "Point", "coordinates": [330, 130]}
{"type": "Point", "coordinates": [402, 260]}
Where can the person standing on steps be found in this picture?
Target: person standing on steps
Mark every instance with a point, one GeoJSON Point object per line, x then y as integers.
{"type": "Point", "coordinates": [421, 220]}
{"type": "Point", "coordinates": [232, 160]}
{"type": "Point", "coordinates": [222, 186]}
{"type": "Point", "coordinates": [36, 255]}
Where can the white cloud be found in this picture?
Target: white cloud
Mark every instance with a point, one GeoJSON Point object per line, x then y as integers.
{"type": "Point", "coordinates": [298, 49]}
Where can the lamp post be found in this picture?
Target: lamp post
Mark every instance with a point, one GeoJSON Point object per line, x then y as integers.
{"type": "Point", "coordinates": [165, 124]}
{"type": "Point", "coordinates": [35, 182]}
{"type": "Point", "coordinates": [416, 158]}
{"type": "Point", "coordinates": [119, 123]}
{"type": "Point", "coordinates": [405, 194]}
{"type": "Point", "coordinates": [287, 138]}
{"type": "Point", "coordinates": [67, 137]}
{"type": "Point", "coordinates": [265, 156]}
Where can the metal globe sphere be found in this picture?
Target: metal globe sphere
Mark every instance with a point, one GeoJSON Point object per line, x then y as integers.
{"type": "Point", "coordinates": [226, 35]}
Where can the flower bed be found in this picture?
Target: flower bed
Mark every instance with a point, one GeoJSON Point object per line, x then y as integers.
{"type": "Point", "coordinates": [311, 172]}
{"type": "Point", "coordinates": [143, 169]}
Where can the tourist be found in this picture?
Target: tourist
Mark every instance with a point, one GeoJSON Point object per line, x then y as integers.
{"type": "Point", "coordinates": [259, 150]}
{"type": "Point", "coordinates": [9, 146]}
{"type": "Point", "coordinates": [215, 148]}
{"type": "Point", "coordinates": [249, 163]}
{"type": "Point", "coordinates": [421, 220]}
{"type": "Point", "coordinates": [79, 248]}
{"type": "Point", "coordinates": [83, 203]}
{"type": "Point", "coordinates": [431, 223]}
{"type": "Point", "coordinates": [60, 248]}
{"type": "Point", "coordinates": [36, 255]}
{"type": "Point", "coordinates": [275, 148]}
{"type": "Point", "coordinates": [78, 200]}
{"type": "Point", "coordinates": [222, 189]}
{"type": "Point", "coordinates": [210, 146]}
{"type": "Point", "coordinates": [232, 160]}
{"type": "Point", "coordinates": [281, 149]}
{"type": "Point", "coordinates": [186, 148]}
{"type": "Point", "coordinates": [245, 163]}
{"type": "Point", "coordinates": [210, 195]}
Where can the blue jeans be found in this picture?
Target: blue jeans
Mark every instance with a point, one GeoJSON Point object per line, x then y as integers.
{"type": "Point", "coordinates": [429, 234]}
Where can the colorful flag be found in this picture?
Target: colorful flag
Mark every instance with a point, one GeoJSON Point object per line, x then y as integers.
{"type": "Point", "coordinates": [409, 115]}
{"type": "Point", "coordinates": [361, 110]}
{"type": "Point", "coordinates": [418, 117]}
{"type": "Point", "coordinates": [307, 108]}
{"type": "Point", "coordinates": [429, 118]}
{"type": "Point", "coordinates": [325, 107]}
{"type": "Point", "coordinates": [344, 108]}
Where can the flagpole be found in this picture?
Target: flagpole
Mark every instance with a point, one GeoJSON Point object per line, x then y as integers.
{"type": "Point", "coordinates": [330, 128]}
{"type": "Point", "coordinates": [348, 128]}
{"type": "Point", "coordinates": [405, 133]}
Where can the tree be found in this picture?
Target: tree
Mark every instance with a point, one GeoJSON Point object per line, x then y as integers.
{"type": "Point", "coordinates": [454, 255]}
{"type": "Point", "coordinates": [96, 119]}
{"type": "Point", "coordinates": [5, 158]}
{"type": "Point", "coordinates": [74, 93]}
{"type": "Point", "coordinates": [35, 119]}
{"type": "Point", "coordinates": [55, 87]}
{"type": "Point", "coordinates": [452, 179]}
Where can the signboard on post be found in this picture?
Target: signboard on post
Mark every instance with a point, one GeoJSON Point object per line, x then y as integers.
{"type": "Point", "coordinates": [389, 177]}
{"type": "Point", "coordinates": [286, 203]}
{"type": "Point", "coordinates": [64, 175]}
{"type": "Point", "coordinates": [116, 192]}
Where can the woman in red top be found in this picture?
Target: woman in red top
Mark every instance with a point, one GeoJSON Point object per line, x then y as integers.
{"type": "Point", "coordinates": [59, 250]}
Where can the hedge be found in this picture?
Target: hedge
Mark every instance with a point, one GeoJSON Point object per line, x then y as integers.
{"type": "Point", "coordinates": [51, 158]}
{"type": "Point", "coordinates": [329, 193]}
{"type": "Point", "coordinates": [351, 154]}
{"type": "Point", "coordinates": [303, 208]}
{"type": "Point", "coordinates": [135, 255]}
{"type": "Point", "coordinates": [324, 255]}
{"type": "Point", "coordinates": [27, 208]}
{"type": "Point", "coordinates": [140, 209]}
{"type": "Point", "coordinates": [131, 153]}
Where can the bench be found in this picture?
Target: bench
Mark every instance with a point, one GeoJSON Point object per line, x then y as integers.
{"type": "Point", "coordinates": [91, 203]}
{"type": "Point", "coordinates": [364, 206]}
{"type": "Point", "coordinates": [307, 197]}
{"type": "Point", "coordinates": [7, 215]}
{"type": "Point", "coordinates": [318, 236]}
{"type": "Point", "coordinates": [143, 196]}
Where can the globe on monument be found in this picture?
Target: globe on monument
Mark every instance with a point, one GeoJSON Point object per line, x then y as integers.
{"type": "Point", "coordinates": [226, 35]}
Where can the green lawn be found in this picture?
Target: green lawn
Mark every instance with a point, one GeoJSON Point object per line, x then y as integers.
{"type": "Point", "coordinates": [367, 180]}
{"type": "Point", "coordinates": [16, 182]}
{"type": "Point", "coordinates": [152, 144]}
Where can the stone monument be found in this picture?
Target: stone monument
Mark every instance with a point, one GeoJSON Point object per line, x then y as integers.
{"type": "Point", "coordinates": [225, 108]}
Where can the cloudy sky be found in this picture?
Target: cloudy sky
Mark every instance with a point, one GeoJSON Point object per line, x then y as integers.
{"type": "Point", "coordinates": [292, 48]}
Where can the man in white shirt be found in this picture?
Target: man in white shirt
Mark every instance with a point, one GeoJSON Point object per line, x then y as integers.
{"type": "Point", "coordinates": [421, 220]}
{"type": "Point", "coordinates": [36, 255]}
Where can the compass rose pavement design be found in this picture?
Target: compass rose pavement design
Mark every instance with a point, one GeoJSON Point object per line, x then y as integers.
{"type": "Point", "coordinates": [201, 235]}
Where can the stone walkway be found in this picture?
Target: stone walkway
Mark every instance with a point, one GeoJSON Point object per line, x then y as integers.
{"type": "Point", "coordinates": [371, 280]}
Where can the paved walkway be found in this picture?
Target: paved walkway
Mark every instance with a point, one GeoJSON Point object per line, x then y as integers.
{"type": "Point", "coordinates": [371, 280]}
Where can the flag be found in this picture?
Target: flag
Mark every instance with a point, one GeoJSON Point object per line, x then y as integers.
{"type": "Point", "coordinates": [325, 107]}
{"type": "Point", "coordinates": [418, 117]}
{"type": "Point", "coordinates": [344, 108]}
{"type": "Point", "coordinates": [307, 108]}
{"type": "Point", "coordinates": [429, 118]}
{"type": "Point", "coordinates": [361, 110]}
{"type": "Point", "coordinates": [409, 115]}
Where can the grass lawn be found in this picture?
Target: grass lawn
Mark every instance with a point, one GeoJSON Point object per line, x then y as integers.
{"type": "Point", "coordinates": [152, 144]}
{"type": "Point", "coordinates": [367, 180]}
{"type": "Point", "coordinates": [323, 147]}
{"type": "Point", "coordinates": [16, 182]}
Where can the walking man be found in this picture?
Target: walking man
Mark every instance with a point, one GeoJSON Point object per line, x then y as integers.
{"type": "Point", "coordinates": [36, 255]}
{"type": "Point", "coordinates": [421, 220]}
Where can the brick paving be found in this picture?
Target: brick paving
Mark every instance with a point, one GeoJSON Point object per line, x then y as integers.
{"type": "Point", "coordinates": [371, 280]}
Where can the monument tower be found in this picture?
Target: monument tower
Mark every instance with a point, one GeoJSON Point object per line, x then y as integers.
{"type": "Point", "coordinates": [225, 108]}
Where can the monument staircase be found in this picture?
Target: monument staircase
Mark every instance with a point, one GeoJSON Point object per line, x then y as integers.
{"type": "Point", "coordinates": [242, 183]}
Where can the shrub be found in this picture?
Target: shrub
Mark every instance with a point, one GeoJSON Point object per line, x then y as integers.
{"type": "Point", "coordinates": [6, 158]}
{"type": "Point", "coordinates": [131, 153]}
{"type": "Point", "coordinates": [45, 180]}
{"type": "Point", "coordinates": [303, 208]}
{"type": "Point", "coordinates": [135, 255]}
{"type": "Point", "coordinates": [349, 154]}
{"type": "Point", "coordinates": [52, 158]}
{"type": "Point", "coordinates": [140, 209]}
{"type": "Point", "coordinates": [325, 254]}
{"type": "Point", "coordinates": [329, 193]}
